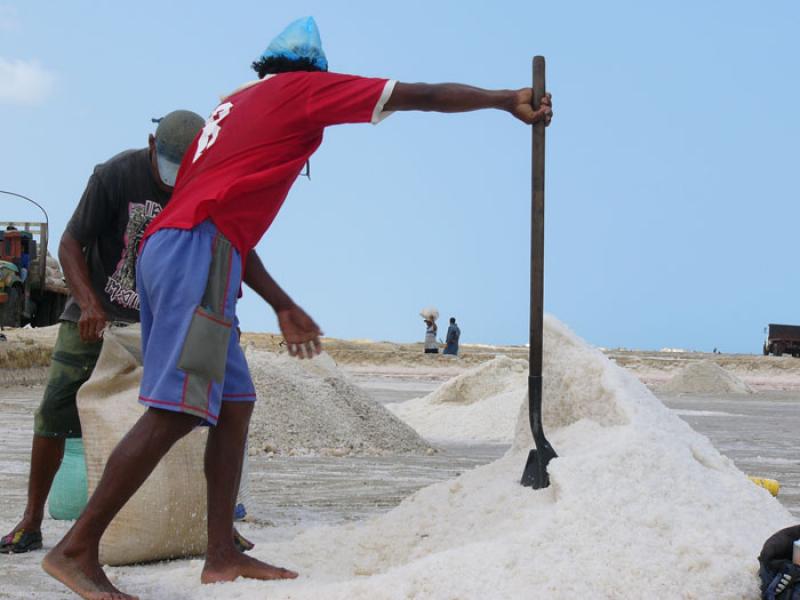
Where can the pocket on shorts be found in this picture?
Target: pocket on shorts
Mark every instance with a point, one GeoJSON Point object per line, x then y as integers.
{"type": "Point", "coordinates": [205, 350]}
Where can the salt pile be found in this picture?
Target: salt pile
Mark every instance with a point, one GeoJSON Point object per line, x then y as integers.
{"type": "Point", "coordinates": [640, 506]}
{"type": "Point", "coordinates": [705, 377]}
{"type": "Point", "coordinates": [40, 335]}
{"type": "Point", "coordinates": [309, 406]}
{"type": "Point", "coordinates": [54, 278]}
{"type": "Point", "coordinates": [481, 404]}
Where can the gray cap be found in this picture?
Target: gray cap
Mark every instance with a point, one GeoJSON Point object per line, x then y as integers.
{"type": "Point", "coordinates": [174, 134]}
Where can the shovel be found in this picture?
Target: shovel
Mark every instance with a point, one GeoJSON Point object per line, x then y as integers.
{"type": "Point", "coordinates": [535, 474]}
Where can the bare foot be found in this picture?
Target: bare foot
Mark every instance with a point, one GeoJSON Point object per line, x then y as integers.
{"type": "Point", "coordinates": [241, 565]}
{"type": "Point", "coordinates": [82, 577]}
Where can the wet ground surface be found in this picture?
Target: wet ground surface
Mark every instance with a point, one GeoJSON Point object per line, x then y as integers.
{"type": "Point", "coordinates": [759, 432]}
{"type": "Point", "coordinates": [286, 490]}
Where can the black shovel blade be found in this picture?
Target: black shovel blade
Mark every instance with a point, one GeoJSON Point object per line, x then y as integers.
{"type": "Point", "coordinates": [535, 474]}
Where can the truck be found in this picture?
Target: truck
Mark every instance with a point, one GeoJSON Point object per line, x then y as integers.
{"type": "Point", "coordinates": [32, 287]}
{"type": "Point", "coordinates": [782, 339]}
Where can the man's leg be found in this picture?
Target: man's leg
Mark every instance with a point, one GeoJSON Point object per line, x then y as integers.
{"type": "Point", "coordinates": [242, 543]}
{"type": "Point", "coordinates": [46, 456]}
{"type": "Point", "coordinates": [243, 485]}
{"type": "Point", "coordinates": [74, 561]}
{"type": "Point", "coordinates": [224, 454]}
{"type": "Point", "coordinates": [55, 419]}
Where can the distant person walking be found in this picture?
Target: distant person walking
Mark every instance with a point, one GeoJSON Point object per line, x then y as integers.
{"type": "Point", "coordinates": [431, 346]}
{"type": "Point", "coordinates": [453, 335]}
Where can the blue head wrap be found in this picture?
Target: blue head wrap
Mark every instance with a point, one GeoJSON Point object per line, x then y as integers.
{"type": "Point", "coordinates": [299, 40]}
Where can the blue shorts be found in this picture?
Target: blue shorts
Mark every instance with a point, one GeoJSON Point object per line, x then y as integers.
{"type": "Point", "coordinates": [188, 283]}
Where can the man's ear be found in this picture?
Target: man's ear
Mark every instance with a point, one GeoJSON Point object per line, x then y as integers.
{"type": "Point", "coordinates": [151, 141]}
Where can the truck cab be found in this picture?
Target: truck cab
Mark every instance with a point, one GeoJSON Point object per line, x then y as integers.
{"type": "Point", "coordinates": [782, 339]}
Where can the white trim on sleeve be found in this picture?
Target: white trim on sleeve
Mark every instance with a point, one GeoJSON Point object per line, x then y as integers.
{"type": "Point", "coordinates": [379, 114]}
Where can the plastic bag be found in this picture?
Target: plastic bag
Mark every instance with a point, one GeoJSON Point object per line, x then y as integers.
{"type": "Point", "coordinates": [299, 40]}
{"type": "Point", "coordinates": [70, 490]}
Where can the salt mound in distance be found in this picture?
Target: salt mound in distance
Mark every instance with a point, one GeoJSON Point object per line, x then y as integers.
{"type": "Point", "coordinates": [481, 404]}
{"type": "Point", "coordinates": [496, 376]}
{"type": "Point", "coordinates": [640, 506]}
{"type": "Point", "coordinates": [309, 406]}
{"type": "Point", "coordinates": [705, 377]}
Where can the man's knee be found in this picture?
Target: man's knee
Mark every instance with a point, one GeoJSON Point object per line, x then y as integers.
{"type": "Point", "coordinates": [72, 365]}
{"type": "Point", "coordinates": [169, 424]}
{"type": "Point", "coordinates": [235, 414]}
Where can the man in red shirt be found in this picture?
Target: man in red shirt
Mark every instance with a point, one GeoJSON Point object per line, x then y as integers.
{"type": "Point", "coordinates": [232, 183]}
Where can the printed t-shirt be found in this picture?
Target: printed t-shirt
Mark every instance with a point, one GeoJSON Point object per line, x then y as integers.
{"type": "Point", "coordinates": [241, 166]}
{"type": "Point", "coordinates": [120, 200]}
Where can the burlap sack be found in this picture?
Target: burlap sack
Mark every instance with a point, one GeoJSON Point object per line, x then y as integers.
{"type": "Point", "coordinates": [429, 312]}
{"type": "Point", "coordinates": [166, 518]}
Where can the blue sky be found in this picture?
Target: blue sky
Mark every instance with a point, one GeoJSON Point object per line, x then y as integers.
{"type": "Point", "coordinates": [672, 196]}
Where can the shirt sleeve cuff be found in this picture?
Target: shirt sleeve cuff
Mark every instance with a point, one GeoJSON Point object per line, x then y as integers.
{"type": "Point", "coordinates": [379, 114]}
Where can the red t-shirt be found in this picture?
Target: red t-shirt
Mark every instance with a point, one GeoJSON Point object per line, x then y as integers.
{"type": "Point", "coordinates": [240, 168]}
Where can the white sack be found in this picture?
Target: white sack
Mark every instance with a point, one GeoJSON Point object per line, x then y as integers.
{"type": "Point", "coordinates": [429, 312]}
{"type": "Point", "coordinates": [166, 518]}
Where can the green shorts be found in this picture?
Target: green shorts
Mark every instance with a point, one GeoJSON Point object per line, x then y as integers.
{"type": "Point", "coordinates": [72, 364]}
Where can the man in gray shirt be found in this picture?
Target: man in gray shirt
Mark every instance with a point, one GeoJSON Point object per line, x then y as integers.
{"type": "Point", "coordinates": [98, 254]}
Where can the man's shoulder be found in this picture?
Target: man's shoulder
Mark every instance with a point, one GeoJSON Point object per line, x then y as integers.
{"type": "Point", "coordinates": [272, 79]}
{"type": "Point", "coordinates": [297, 83]}
{"type": "Point", "coordinates": [312, 77]}
{"type": "Point", "coordinates": [328, 77]}
{"type": "Point", "coordinates": [123, 163]}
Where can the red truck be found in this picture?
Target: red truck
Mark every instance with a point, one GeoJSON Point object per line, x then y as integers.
{"type": "Point", "coordinates": [32, 287]}
{"type": "Point", "coordinates": [782, 339]}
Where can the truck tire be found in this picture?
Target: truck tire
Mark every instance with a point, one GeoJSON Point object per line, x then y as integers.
{"type": "Point", "coordinates": [11, 310]}
{"type": "Point", "coordinates": [48, 309]}
{"type": "Point", "coordinates": [41, 317]}
{"type": "Point", "coordinates": [765, 350]}
{"type": "Point", "coordinates": [777, 350]}
{"type": "Point", "coordinates": [57, 303]}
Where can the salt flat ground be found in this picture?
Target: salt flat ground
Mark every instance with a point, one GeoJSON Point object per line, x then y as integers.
{"type": "Point", "coordinates": [757, 431]}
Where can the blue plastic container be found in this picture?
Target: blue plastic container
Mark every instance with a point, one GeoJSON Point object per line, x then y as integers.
{"type": "Point", "coordinates": [70, 489]}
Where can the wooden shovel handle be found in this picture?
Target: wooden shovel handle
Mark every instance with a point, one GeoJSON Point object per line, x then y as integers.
{"type": "Point", "coordinates": [537, 223]}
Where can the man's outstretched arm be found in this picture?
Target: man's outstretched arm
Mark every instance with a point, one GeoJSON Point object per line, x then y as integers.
{"type": "Point", "coordinates": [299, 330]}
{"type": "Point", "coordinates": [455, 97]}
